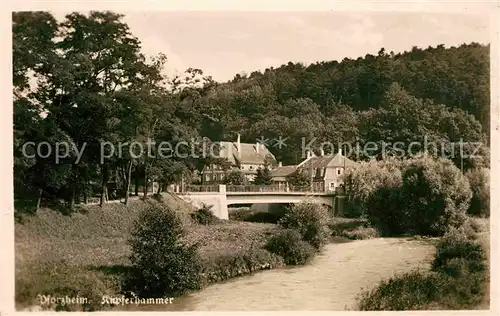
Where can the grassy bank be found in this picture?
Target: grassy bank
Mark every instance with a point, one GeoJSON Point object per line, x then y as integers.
{"type": "Point", "coordinates": [86, 253]}
{"type": "Point", "coordinates": [459, 278]}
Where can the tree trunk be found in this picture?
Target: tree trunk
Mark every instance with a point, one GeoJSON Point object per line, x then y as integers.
{"type": "Point", "coordinates": [85, 196]}
{"type": "Point", "coordinates": [129, 175]}
{"type": "Point", "coordinates": [145, 189]}
{"type": "Point", "coordinates": [159, 188]}
{"type": "Point", "coordinates": [39, 201]}
{"type": "Point", "coordinates": [104, 185]}
{"type": "Point", "coordinates": [72, 198]}
{"type": "Point", "coordinates": [136, 180]}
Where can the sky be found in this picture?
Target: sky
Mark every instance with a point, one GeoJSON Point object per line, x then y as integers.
{"type": "Point", "coordinates": [223, 44]}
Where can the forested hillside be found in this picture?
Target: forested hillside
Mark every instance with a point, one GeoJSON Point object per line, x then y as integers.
{"type": "Point", "coordinates": [95, 86]}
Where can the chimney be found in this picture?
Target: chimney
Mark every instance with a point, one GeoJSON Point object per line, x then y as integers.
{"type": "Point", "coordinates": [257, 146]}
{"type": "Point", "coordinates": [309, 154]}
{"type": "Point", "coordinates": [340, 150]}
{"type": "Point", "coordinates": [322, 152]}
{"type": "Point", "coordinates": [280, 164]}
{"type": "Point", "coordinates": [238, 145]}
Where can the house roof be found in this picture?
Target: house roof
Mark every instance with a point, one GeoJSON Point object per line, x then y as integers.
{"type": "Point", "coordinates": [328, 161]}
{"type": "Point", "coordinates": [283, 171]}
{"type": "Point", "coordinates": [249, 154]}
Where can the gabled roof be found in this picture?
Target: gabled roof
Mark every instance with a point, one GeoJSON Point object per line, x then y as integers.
{"type": "Point", "coordinates": [328, 161]}
{"type": "Point", "coordinates": [249, 153]}
{"type": "Point", "coordinates": [283, 171]}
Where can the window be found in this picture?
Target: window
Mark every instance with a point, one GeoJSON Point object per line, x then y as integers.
{"type": "Point", "coordinates": [242, 167]}
{"type": "Point", "coordinates": [207, 177]}
{"type": "Point", "coordinates": [339, 170]}
{"type": "Point", "coordinates": [251, 167]}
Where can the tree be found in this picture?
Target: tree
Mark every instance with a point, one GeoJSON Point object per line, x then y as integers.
{"type": "Point", "coordinates": [299, 178]}
{"type": "Point", "coordinates": [436, 194]}
{"type": "Point", "coordinates": [162, 264]}
{"type": "Point", "coordinates": [234, 177]}
{"type": "Point", "coordinates": [263, 176]}
{"type": "Point", "coordinates": [479, 180]}
{"type": "Point", "coordinates": [362, 182]}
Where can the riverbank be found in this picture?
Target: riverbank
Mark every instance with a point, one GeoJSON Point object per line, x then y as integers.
{"type": "Point", "coordinates": [330, 282]}
{"type": "Point", "coordinates": [459, 277]}
{"type": "Point", "coordinates": [86, 253]}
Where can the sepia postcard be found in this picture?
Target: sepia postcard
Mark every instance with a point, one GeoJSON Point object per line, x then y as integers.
{"type": "Point", "coordinates": [172, 159]}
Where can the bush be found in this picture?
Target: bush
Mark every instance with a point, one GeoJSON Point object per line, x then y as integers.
{"type": "Point", "coordinates": [289, 245]}
{"type": "Point", "coordinates": [408, 291]}
{"type": "Point", "coordinates": [361, 233]}
{"type": "Point", "coordinates": [161, 263]}
{"type": "Point", "coordinates": [229, 266]}
{"type": "Point", "coordinates": [387, 212]}
{"type": "Point", "coordinates": [362, 181]}
{"type": "Point", "coordinates": [479, 180]}
{"type": "Point", "coordinates": [352, 228]}
{"type": "Point", "coordinates": [455, 254]}
{"type": "Point", "coordinates": [204, 216]}
{"type": "Point", "coordinates": [436, 195]}
{"type": "Point", "coordinates": [311, 220]}
{"type": "Point", "coordinates": [457, 280]}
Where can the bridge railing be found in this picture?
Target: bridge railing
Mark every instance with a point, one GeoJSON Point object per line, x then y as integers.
{"type": "Point", "coordinates": [200, 188]}
{"type": "Point", "coordinates": [250, 188]}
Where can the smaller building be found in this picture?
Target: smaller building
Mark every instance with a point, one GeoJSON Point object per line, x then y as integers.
{"type": "Point", "coordinates": [326, 170]}
{"type": "Point", "coordinates": [245, 157]}
{"type": "Point", "coordinates": [281, 173]}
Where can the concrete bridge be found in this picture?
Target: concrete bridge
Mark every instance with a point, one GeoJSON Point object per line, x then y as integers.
{"type": "Point", "coordinates": [221, 196]}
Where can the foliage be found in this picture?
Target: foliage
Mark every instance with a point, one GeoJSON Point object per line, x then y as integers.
{"type": "Point", "coordinates": [234, 177]}
{"type": "Point", "coordinates": [299, 178]}
{"type": "Point", "coordinates": [311, 220]}
{"type": "Point", "coordinates": [479, 180]}
{"type": "Point", "coordinates": [94, 85]}
{"type": "Point", "coordinates": [457, 252]}
{"type": "Point", "coordinates": [436, 195]}
{"type": "Point", "coordinates": [288, 244]}
{"type": "Point", "coordinates": [457, 281]}
{"type": "Point", "coordinates": [362, 182]}
{"type": "Point", "coordinates": [204, 216]}
{"type": "Point", "coordinates": [387, 212]}
{"type": "Point", "coordinates": [162, 264]}
{"type": "Point", "coordinates": [232, 265]}
{"type": "Point", "coordinates": [354, 228]}
{"type": "Point", "coordinates": [263, 176]}
{"type": "Point", "coordinates": [408, 291]}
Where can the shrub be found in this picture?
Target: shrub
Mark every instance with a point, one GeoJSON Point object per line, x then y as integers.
{"type": "Point", "coordinates": [234, 177]}
{"type": "Point", "coordinates": [387, 212]}
{"type": "Point", "coordinates": [311, 220]}
{"type": "Point", "coordinates": [408, 291]}
{"type": "Point", "coordinates": [352, 228]}
{"type": "Point", "coordinates": [360, 233]}
{"type": "Point", "coordinates": [362, 181]}
{"type": "Point", "coordinates": [161, 263]}
{"type": "Point", "coordinates": [288, 244]}
{"type": "Point", "coordinates": [229, 266]}
{"type": "Point", "coordinates": [455, 254]}
{"type": "Point", "coordinates": [204, 216]}
{"type": "Point", "coordinates": [436, 195]}
{"type": "Point", "coordinates": [479, 180]}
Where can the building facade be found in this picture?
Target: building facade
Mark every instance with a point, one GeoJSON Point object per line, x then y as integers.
{"type": "Point", "coordinates": [245, 157]}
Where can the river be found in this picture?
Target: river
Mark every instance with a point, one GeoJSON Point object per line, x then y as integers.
{"type": "Point", "coordinates": [330, 282]}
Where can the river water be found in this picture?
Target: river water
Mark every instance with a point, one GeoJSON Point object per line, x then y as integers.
{"type": "Point", "coordinates": [330, 282]}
